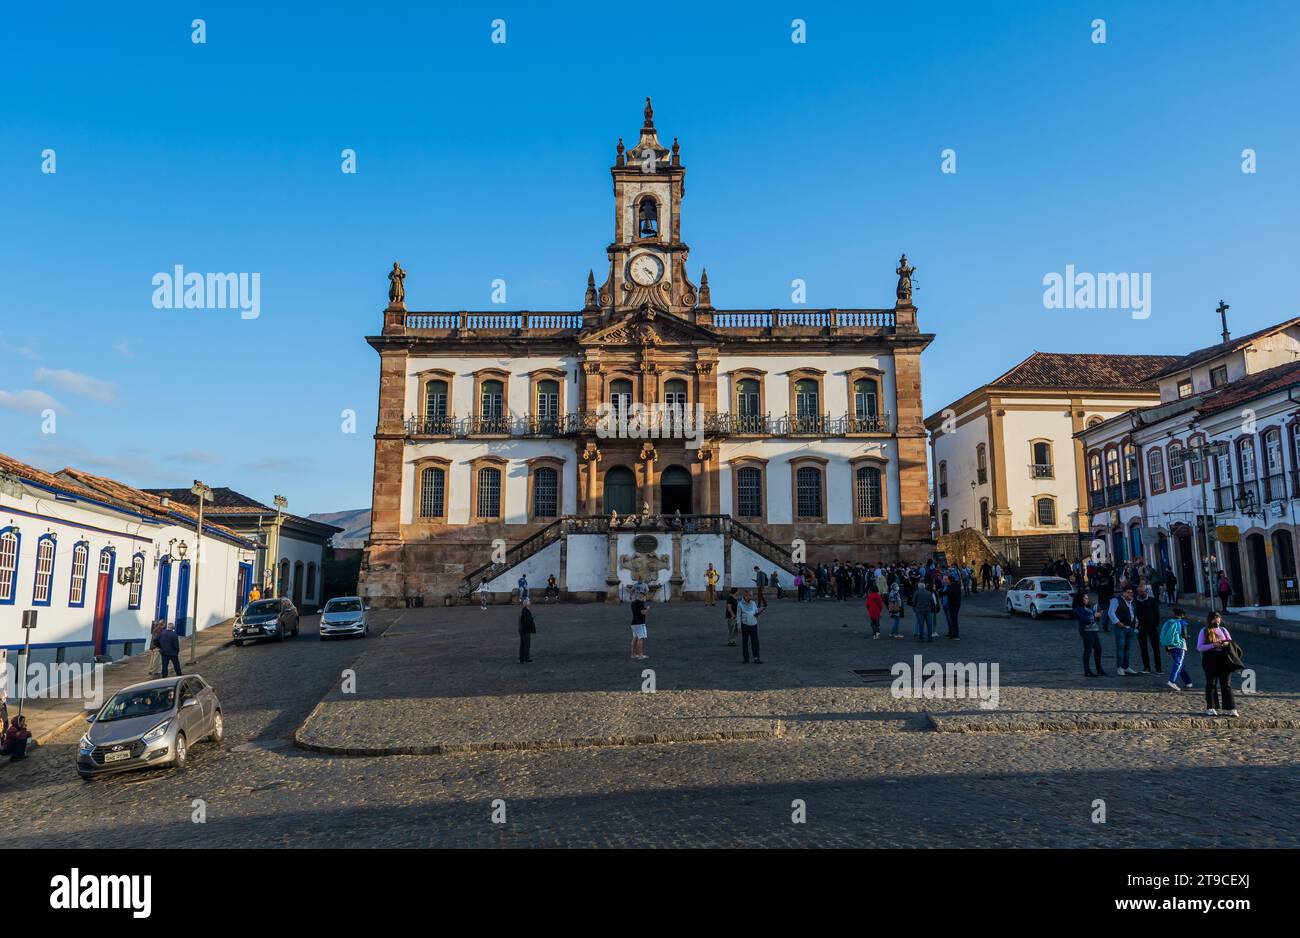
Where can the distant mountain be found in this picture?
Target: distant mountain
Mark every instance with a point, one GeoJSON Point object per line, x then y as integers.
{"type": "Point", "coordinates": [355, 525]}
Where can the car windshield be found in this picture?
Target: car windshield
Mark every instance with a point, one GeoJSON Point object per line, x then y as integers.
{"type": "Point", "coordinates": [343, 605]}
{"type": "Point", "coordinates": [137, 703]}
{"type": "Point", "coordinates": [1055, 585]}
{"type": "Point", "coordinates": [266, 607]}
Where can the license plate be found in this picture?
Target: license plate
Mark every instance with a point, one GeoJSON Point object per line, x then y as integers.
{"type": "Point", "coordinates": [117, 756]}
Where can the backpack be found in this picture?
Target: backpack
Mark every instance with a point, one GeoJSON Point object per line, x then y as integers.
{"type": "Point", "coordinates": [1171, 634]}
{"type": "Point", "coordinates": [762, 578]}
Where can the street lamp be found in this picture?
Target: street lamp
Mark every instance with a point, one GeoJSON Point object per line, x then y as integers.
{"type": "Point", "coordinates": [281, 503]}
{"type": "Point", "coordinates": [204, 494]}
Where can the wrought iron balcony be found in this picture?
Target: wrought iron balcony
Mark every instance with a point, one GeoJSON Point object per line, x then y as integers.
{"type": "Point", "coordinates": [1042, 471]}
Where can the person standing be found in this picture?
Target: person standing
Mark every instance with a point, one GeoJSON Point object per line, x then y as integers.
{"type": "Point", "coordinates": [169, 646]}
{"type": "Point", "coordinates": [895, 604]}
{"type": "Point", "coordinates": [924, 605]}
{"type": "Point", "coordinates": [1171, 586]}
{"type": "Point", "coordinates": [760, 581]}
{"type": "Point", "coordinates": [523, 588]}
{"type": "Point", "coordinates": [639, 609]}
{"type": "Point", "coordinates": [775, 581]}
{"type": "Point", "coordinates": [711, 585]}
{"type": "Point", "coordinates": [1173, 636]}
{"type": "Point", "coordinates": [1148, 628]}
{"type": "Point", "coordinates": [483, 596]}
{"type": "Point", "coordinates": [748, 611]}
{"type": "Point", "coordinates": [1123, 616]}
{"type": "Point", "coordinates": [732, 600]}
{"type": "Point", "coordinates": [1105, 593]}
{"type": "Point", "coordinates": [153, 663]}
{"type": "Point", "coordinates": [527, 628]}
{"type": "Point", "coordinates": [875, 606]}
{"type": "Point", "coordinates": [1225, 590]}
{"type": "Point", "coordinates": [953, 607]}
{"type": "Point", "coordinates": [552, 589]}
{"type": "Point", "coordinates": [1212, 643]}
{"type": "Point", "coordinates": [1090, 632]}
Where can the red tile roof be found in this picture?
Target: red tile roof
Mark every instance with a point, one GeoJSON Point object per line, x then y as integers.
{"type": "Point", "coordinates": [1249, 388]}
{"type": "Point", "coordinates": [1184, 362]}
{"type": "Point", "coordinates": [1085, 370]}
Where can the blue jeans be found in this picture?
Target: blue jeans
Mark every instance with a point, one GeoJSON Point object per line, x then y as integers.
{"type": "Point", "coordinates": [1179, 657]}
{"type": "Point", "coordinates": [175, 661]}
{"type": "Point", "coordinates": [924, 626]}
{"type": "Point", "coordinates": [1123, 642]}
{"type": "Point", "coordinates": [894, 620]}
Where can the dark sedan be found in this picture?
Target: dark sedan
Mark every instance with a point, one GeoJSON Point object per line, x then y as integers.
{"type": "Point", "coordinates": [264, 619]}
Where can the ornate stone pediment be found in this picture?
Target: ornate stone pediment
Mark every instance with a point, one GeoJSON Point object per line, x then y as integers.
{"type": "Point", "coordinates": [647, 328]}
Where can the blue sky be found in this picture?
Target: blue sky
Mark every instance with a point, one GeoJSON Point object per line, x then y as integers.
{"type": "Point", "coordinates": [818, 161]}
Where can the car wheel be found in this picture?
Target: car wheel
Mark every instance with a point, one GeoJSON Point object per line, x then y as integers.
{"type": "Point", "coordinates": [279, 632]}
{"type": "Point", "coordinates": [1011, 610]}
{"type": "Point", "coordinates": [1033, 611]}
{"type": "Point", "coordinates": [239, 643]}
{"type": "Point", "coordinates": [218, 727]}
{"type": "Point", "coordinates": [182, 752]}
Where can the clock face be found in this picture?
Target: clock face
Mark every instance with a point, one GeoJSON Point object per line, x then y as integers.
{"type": "Point", "coordinates": [646, 269]}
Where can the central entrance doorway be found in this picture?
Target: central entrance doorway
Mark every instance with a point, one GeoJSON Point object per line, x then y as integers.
{"type": "Point", "coordinates": [620, 491]}
{"type": "Point", "coordinates": [675, 491]}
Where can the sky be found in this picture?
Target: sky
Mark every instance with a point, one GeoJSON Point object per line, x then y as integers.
{"type": "Point", "coordinates": [477, 160]}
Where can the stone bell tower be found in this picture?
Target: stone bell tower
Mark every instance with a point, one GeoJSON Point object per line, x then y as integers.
{"type": "Point", "coordinates": [647, 259]}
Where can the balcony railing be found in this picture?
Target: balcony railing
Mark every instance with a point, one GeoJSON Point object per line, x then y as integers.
{"type": "Point", "coordinates": [981, 475]}
{"type": "Point", "coordinates": [1223, 500]}
{"type": "Point", "coordinates": [1275, 487]}
{"type": "Point", "coordinates": [1117, 494]}
{"type": "Point", "coordinates": [811, 322]}
{"type": "Point", "coordinates": [1042, 471]}
{"type": "Point", "coordinates": [654, 424]}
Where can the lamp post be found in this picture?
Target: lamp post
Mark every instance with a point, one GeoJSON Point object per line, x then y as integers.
{"type": "Point", "coordinates": [281, 503]}
{"type": "Point", "coordinates": [204, 494]}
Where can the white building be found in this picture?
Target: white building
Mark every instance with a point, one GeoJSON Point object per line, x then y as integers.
{"type": "Point", "coordinates": [99, 561]}
{"type": "Point", "coordinates": [1004, 456]}
{"type": "Point", "coordinates": [1209, 478]}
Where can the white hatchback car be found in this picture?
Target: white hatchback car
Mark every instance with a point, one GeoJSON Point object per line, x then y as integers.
{"type": "Point", "coordinates": [1039, 595]}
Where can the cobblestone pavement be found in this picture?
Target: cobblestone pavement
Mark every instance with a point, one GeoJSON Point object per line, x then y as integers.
{"type": "Point", "coordinates": [875, 788]}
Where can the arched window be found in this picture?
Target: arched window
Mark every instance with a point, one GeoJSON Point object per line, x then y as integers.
{"type": "Point", "coordinates": [1156, 470]}
{"type": "Point", "coordinates": [807, 406]}
{"type": "Point", "coordinates": [137, 581]}
{"type": "Point", "coordinates": [1045, 508]}
{"type": "Point", "coordinates": [77, 585]}
{"type": "Point", "coordinates": [435, 407]}
{"type": "Point", "coordinates": [808, 492]}
{"type": "Point", "coordinates": [547, 404]}
{"type": "Point", "coordinates": [749, 492]}
{"type": "Point", "coordinates": [546, 492]}
{"type": "Point", "coordinates": [943, 522]}
{"type": "Point", "coordinates": [868, 494]}
{"type": "Point", "coordinates": [943, 479]}
{"type": "Point", "coordinates": [1194, 456]}
{"type": "Point", "coordinates": [1177, 465]}
{"type": "Point", "coordinates": [1130, 463]}
{"type": "Point", "coordinates": [284, 577]}
{"type": "Point", "coordinates": [488, 506]}
{"type": "Point", "coordinates": [984, 515]}
{"type": "Point", "coordinates": [1094, 472]}
{"type": "Point", "coordinates": [866, 404]}
{"type": "Point", "coordinates": [44, 570]}
{"type": "Point", "coordinates": [1093, 421]}
{"type": "Point", "coordinates": [1042, 460]}
{"type": "Point", "coordinates": [675, 392]}
{"type": "Point", "coordinates": [1246, 458]}
{"type": "Point", "coordinates": [492, 406]}
{"type": "Point", "coordinates": [433, 492]}
{"type": "Point", "coordinates": [620, 396]}
{"type": "Point", "coordinates": [8, 564]}
{"type": "Point", "coordinates": [749, 409]}
{"type": "Point", "coordinates": [981, 464]}
{"type": "Point", "coordinates": [310, 591]}
{"type": "Point", "coordinates": [1112, 468]}
{"type": "Point", "coordinates": [647, 217]}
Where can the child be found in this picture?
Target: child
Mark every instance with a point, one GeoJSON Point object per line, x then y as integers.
{"type": "Point", "coordinates": [1173, 638]}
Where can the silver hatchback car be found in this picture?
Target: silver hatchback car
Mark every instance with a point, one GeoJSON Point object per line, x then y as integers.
{"type": "Point", "coordinates": [344, 615]}
{"type": "Point", "coordinates": [149, 724]}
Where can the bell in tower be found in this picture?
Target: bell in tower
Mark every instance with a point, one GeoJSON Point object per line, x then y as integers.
{"type": "Point", "coordinates": [647, 215]}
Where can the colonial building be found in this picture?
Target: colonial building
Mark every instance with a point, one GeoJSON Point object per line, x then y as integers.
{"type": "Point", "coordinates": [100, 560]}
{"type": "Point", "coordinates": [502, 447]}
{"type": "Point", "coordinates": [1208, 478]}
{"type": "Point", "coordinates": [297, 544]}
{"type": "Point", "coordinates": [1005, 457]}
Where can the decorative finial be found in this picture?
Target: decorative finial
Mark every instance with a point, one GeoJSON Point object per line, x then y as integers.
{"type": "Point", "coordinates": [904, 281]}
{"type": "Point", "coordinates": [705, 299]}
{"type": "Point", "coordinates": [619, 150]}
{"type": "Point", "coordinates": [677, 160]}
{"type": "Point", "coordinates": [591, 302]}
{"type": "Point", "coordinates": [649, 115]}
{"type": "Point", "coordinates": [396, 287]}
{"type": "Point", "coordinates": [1223, 316]}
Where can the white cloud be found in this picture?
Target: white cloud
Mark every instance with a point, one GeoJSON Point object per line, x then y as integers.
{"type": "Point", "coordinates": [124, 349]}
{"type": "Point", "coordinates": [74, 382]}
{"type": "Point", "coordinates": [27, 400]}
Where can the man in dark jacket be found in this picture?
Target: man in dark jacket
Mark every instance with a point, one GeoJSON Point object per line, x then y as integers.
{"type": "Point", "coordinates": [1148, 627]}
{"type": "Point", "coordinates": [952, 588]}
{"type": "Point", "coordinates": [169, 646]}
{"type": "Point", "coordinates": [526, 629]}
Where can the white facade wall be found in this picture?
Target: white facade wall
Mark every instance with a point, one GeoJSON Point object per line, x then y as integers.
{"type": "Point", "coordinates": [537, 568]}
{"type": "Point", "coordinates": [958, 450]}
{"type": "Point", "coordinates": [461, 392]}
{"type": "Point", "coordinates": [780, 453]}
{"type": "Point", "coordinates": [294, 550]}
{"type": "Point", "coordinates": [67, 630]}
{"type": "Point", "coordinates": [462, 454]}
{"type": "Point", "coordinates": [698, 551]}
{"type": "Point", "coordinates": [837, 397]}
{"type": "Point", "coordinates": [587, 562]}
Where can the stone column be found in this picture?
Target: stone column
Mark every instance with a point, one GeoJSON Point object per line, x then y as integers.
{"type": "Point", "coordinates": [649, 490]}
{"type": "Point", "coordinates": [909, 437]}
{"type": "Point", "coordinates": [1001, 522]}
{"type": "Point", "coordinates": [675, 580]}
{"type": "Point", "coordinates": [611, 572]}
